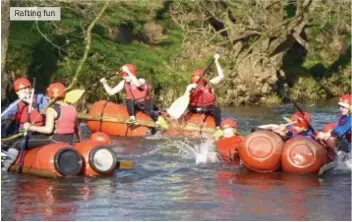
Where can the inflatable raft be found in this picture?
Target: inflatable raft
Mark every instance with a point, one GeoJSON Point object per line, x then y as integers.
{"type": "Point", "coordinates": [92, 157]}
{"type": "Point", "coordinates": [265, 151]}
{"type": "Point", "coordinates": [112, 119]}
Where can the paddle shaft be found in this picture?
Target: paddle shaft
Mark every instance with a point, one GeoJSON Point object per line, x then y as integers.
{"type": "Point", "coordinates": [145, 123]}
{"type": "Point", "coordinates": [10, 107]}
{"type": "Point", "coordinates": [300, 110]}
{"type": "Point", "coordinates": [26, 135]}
{"type": "Point", "coordinates": [206, 70]}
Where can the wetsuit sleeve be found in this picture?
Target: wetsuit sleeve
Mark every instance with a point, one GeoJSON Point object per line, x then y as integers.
{"type": "Point", "coordinates": [10, 113]}
{"type": "Point", "coordinates": [341, 130]}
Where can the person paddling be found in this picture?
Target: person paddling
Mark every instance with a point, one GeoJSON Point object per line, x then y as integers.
{"type": "Point", "coordinates": [138, 96]}
{"type": "Point", "coordinates": [300, 126]}
{"type": "Point", "coordinates": [60, 126]}
{"type": "Point", "coordinates": [343, 128]}
{"type": "Point", "coordinates": [17, 111]}
{"type": "Point", "coordinates": [202, 94]}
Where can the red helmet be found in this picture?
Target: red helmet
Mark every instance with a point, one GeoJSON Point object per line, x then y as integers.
{"type": "Point", "coordinates": [197, 72]}
{"type": "Point", "coordinates": [303, 120]}
{"type": "Point", "coordinates": [132, 68]}
{"type": "Point", "coordinates": [329, 127]}
{"type": "Point", "coordinates": [197, 77]}
{"type": "Point", "coordinates": [346, 101]}
{"type": "Point", "coordinates": [56, 90]}
{"type": "Point", "coordinates": [21, 83]}
{"type": "Point", "coordinates": [101, 137]}
{"type": "Point", "coordinates": [227, 123]}
{"type": "Point", "coordinates": [198, 80]}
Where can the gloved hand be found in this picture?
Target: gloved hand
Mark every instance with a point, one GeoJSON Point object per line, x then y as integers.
{"type": "Point", "coordinates": [190, 87]}
{"type": "Point", "coordinates": [103, 80]}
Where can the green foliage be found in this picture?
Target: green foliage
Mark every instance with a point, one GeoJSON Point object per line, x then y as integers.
{"type": "Point", "coordinates": [54, 50]}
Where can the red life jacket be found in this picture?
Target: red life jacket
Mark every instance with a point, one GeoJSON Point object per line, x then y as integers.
{"type": "Point", "coordinates": [138, 94]}
{"type": "Point", "coordinates": [202, 97]}
{"type": "Point", "coordinates": [229, 147]}
{"type": "Point", "coordinates": [66, 121]}
{"type": "Point", "coordinates": [21, 116]}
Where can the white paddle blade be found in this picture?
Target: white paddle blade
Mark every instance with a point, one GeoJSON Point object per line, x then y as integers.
{"type": "Point", "coordinates": [178, 107]}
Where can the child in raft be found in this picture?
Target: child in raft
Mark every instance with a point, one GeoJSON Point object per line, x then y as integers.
{"type": "Point", "coordinates": [60, 126]}
{"type": "Point", "coordinates": [229, 141]}
{"type": "Point", "coordinates": [300, 126]}
{"type": "Point", "coordinates": [138, 96]}
{"type": "Point", "coordinates": [343, 128]}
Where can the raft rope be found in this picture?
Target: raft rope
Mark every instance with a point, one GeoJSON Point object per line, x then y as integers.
{"type": "Point", "coordinates": [102, 115]}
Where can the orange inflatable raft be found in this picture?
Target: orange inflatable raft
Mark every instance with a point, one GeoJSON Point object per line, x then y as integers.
{"type": "Point", "coordinates": [303, 155]}
{"type": "Point", "coordinates": [53, 161]}
{"type": "Point", "coordinates": [116, 123]}
{"type": "Point", "coordinates": [112, 118]}
{"type": "Point", "coordinates": [229, 148]}
{"type": "Point", "coordinates": [261, 151]}
{"type": "Point", "coordinates": [92, 157]}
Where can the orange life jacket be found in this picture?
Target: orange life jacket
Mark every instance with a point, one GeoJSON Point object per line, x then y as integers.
{"type": "Point", "coordinates": [228, 147]}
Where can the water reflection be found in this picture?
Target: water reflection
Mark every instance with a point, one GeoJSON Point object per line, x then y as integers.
{"type": "Point", "coordinates": [264, 196]}
{"type": "Point", "coordinates": [43, 199]}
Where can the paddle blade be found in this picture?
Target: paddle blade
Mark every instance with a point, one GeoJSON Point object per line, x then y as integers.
{"type": "Point", "coordinates": [74, 95]}
{"type": "Point", "coordinates": [287, 119]}
{"type": "Point", "coordinates": [178, 107]}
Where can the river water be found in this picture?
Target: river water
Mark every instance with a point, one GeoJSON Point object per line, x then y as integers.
{"type": "Point", "coordinates": [166, 184]}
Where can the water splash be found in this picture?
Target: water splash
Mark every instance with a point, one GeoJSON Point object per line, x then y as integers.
{"type": "Point", "coordinates": [344, 162]}
{"type": "Point", "coordinates": [203, 152]}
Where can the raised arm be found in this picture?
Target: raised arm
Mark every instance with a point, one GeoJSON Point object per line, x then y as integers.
{"type": "Point", "coordinates": [220, 76]}
{"type": "Point", "coordinates": [49, 123]}
{"type": "Point", "coordinates": [137, 82]}
{"type": "Point", "coordinates": [112, 91]}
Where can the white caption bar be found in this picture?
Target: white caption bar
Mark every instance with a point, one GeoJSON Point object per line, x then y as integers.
{"type": "Point", "coordinates": [35, 13]}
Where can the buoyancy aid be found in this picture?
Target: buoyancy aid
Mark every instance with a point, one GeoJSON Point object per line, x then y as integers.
{"type": "Point", "coordinates": [202, 96]}
{"type": "Point", "coordinates": [66, 120]}
{"type": "Point", "coordinates": [36, 117]}
{"type": "Point", "coordinates": [138, 94]}
{"type": "Point", "coordinates": [229, 147]}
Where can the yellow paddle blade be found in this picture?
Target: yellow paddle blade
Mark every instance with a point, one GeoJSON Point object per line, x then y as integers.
{"type": "Point", "coordinates": [178, 107]}
{"type": "Point", "coordinates": [74, 95]}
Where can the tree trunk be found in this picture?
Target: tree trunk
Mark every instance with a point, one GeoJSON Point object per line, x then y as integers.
{"type": "Point", "coordinates": [5, 31]}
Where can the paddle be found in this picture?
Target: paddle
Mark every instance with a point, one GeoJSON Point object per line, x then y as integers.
{"type": "Point", "coordinates": [10, 107]}
{"type": "Point", "coordinates": [146, 123]}
{"type": "Point", "coordinates": [24, 143]}
{"type": "Point", "coordinates": [273, 126]}
{"type": "Point", "coordinates": [179, 106]}
{"type": "Point", "coordinates": [299, 110]}
{"type": "Point", "coordinates": [71, 97]}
